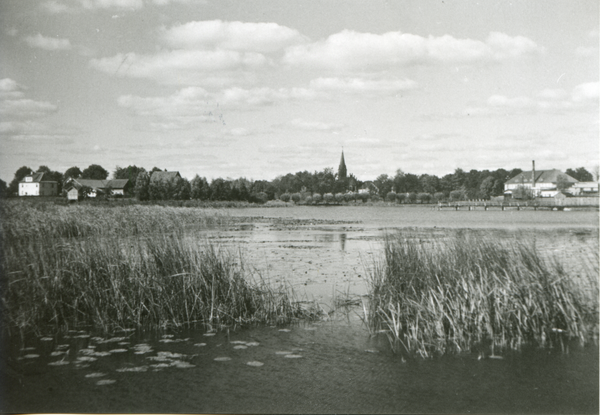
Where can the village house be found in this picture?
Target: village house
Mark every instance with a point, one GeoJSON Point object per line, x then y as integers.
{"type": "Point", "coordinates": [37, 184]}
{"type": "Point", "coordinates": [95, 187]}
{"type": "Point", "coordinates": [539, 183]}
{"type": "Point", "coordinates": [584, 189]}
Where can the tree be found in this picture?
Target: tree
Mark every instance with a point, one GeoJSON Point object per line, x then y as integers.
{"type": "Point", "coordinates": [13, 187]}
{"type": "Point", "coordinates": [200, 190]}
{"type": "Point", "coordinates": [384, 184]}
{"type": "Point", "coordinates": [391, 196]}
{"type": "Point", "coordinates": [562, 182]}
{"type": "Point", "coordinates": [3, 189]}
{"type": "Point", "coordinates": [285, 197]}
{"type": "Point", "coordinates": [129, 172]}
{"type": "Point", "coordinates": [94, 172]}
{"type": "Point", "coordinates": [580, 174]}
{"type": "Point", "coordinates": [142, 186]}
{"type": "Point", "coordinates": [72, 173]}
{"type": "Point", "coordinates": [486, 188]}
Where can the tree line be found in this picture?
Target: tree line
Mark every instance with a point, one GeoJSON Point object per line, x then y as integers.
{"type": "Point", "coordinates": [459, 185]}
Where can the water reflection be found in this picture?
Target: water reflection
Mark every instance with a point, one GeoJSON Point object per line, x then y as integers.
{"type": "Point", "coordinates": [342, 241]}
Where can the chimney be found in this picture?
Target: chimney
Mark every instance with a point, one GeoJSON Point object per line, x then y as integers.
{"type": "Point", "coordinates": [532, 173]}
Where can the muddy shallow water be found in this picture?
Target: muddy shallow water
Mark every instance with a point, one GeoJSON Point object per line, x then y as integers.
{"type": "Point", "coordinates": [334, 365]}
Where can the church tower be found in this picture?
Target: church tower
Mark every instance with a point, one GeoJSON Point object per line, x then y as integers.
{"type": "Point", "coordinates": [342, 172]}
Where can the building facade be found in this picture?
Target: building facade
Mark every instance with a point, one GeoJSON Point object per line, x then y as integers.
{"type": "Point", "coordinates": [37, 185]}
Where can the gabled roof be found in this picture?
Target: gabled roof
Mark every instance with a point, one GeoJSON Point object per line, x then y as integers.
{"type": "Point", "coordinates": [541, 176]}
{"type": "Point", "coordinates": [36, 178]}
{"type": "Point", "coordinates": [99, 184]}
{"type": "Point", "coordinates": [164, 175]}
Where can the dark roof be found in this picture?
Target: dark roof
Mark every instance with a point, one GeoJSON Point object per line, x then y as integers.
{"type": "Point", "coordinates": [541, 176]}
{"type": "Point", "coordinates": [164, 175]}
{"type": "Point", "coordinates": [99, 184]}
{"type": "Point", "coordinates": [36, 178]}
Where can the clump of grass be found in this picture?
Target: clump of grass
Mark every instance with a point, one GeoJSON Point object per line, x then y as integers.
{"type": "Point", "coordinates": [472, 291]}
{"type": "Point", "coordinates": [149, 274]}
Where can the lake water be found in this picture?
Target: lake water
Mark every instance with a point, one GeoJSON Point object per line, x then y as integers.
{"type": "Point", "coordinates": [333, 365]}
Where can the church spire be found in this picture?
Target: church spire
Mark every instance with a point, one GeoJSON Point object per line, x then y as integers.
{"type": "Point", "coordinates": [342, 170]}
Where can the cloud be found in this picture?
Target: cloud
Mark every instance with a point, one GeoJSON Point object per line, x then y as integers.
{"type": "Point", "coordinates": [350, 50]}
{"type": "Point", "coordinates": [583, 98]}
{"type": "Point", "coordinates": [26, 108]}
{"type": "Point", "coordinates": [48, 43]}
{"type": "Point", "coordinates": [300, 124]}
{"type": "Point", "coordinates": [54, 7]}
{"type": "Point", "coordinates": [36, 130]}
{"type": "Point", "coordinates": [10, 89]}
{"type": "Point", "coordinates": [363, 86]}
{"type": "Point", "coordinates": [107, 4]}
{"type": "Point", "coordinates": [585, 52]}
{"type": "Point", "coordinates": [180, 66]}
{"type": "Point", "coordinates": [587, 92]}
{"type": "Point", "coordinates": [238, 36]}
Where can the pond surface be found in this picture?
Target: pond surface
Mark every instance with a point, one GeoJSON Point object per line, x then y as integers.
{"type": "Point", "coordinates": [334, 365]}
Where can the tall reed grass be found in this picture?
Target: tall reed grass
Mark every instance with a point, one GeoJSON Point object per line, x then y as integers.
{"type": "Point", "coordinates": [471, 291]}
{"type": "Point", "coordinates": [43, 220]}
{"type": "Point", "coordinates": [53, 280]}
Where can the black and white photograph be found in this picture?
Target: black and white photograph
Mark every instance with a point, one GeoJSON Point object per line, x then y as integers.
{"type": "Point", "coordinates": [299, 206]}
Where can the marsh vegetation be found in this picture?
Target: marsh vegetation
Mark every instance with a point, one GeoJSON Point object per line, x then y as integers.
{"type": "Point", "coordinates": [474, 292]}
{"type": "Point", "coordinates": [127, 267]}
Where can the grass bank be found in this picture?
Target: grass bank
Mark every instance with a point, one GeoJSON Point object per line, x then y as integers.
{"type": "Point", "coordinates": [469, 292]}
{"type": "Point", "coordinates": [131, 267]}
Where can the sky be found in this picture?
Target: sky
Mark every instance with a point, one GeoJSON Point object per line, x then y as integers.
{"type": "Point", "coordinates": [259, 89]}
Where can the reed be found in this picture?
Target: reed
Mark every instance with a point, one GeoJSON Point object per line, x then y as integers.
{"type": "Point", "coordinates": [22, 220]}
{"type": "Point", "coordinates": [54, 281]}
{"type": "Point", "coordinates": [468, 292]}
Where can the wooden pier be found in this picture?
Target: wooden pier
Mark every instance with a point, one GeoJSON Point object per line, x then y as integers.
{"type": "Point", "coordinates": [550, 204]}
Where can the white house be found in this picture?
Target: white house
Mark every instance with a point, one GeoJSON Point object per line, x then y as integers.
{"type": "Point", "coordinates": [541, 183]}
{"type": "Point", "coordinates": [37, 185]}
{"type": "Point", "coordinates": [584, 188]}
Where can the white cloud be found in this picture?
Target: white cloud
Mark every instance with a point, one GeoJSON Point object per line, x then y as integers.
{"type": "Point", "coordinates": [179, 66]}
{"type": "Point", "coordinates": [26, 108]}
{"type": "Point", "coordinates": [350, 50]}
{"type": "Point", "coordinates": [300, 124]}
{"type": "Point", "coordinates": [54, 7]}
{"type": "Point", "coordinates": [363, 86]}
{"type": "Point", "coordinates": [48, 43]}
{"type": "Point", "coordinates": [36, 130]}
{"type": "Point", "coordinates": [587, 92]}
{"type": "Point", "coordinates": [586, 52]}
{"type": "Point", "coordinates": [238, 36]}
{"type": "Point", "coordinates": [107, 4]}
{"type": "Point", "coordinates": [10, 89]}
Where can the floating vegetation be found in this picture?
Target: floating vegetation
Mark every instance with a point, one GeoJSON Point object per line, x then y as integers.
{"type": "Point", "coordinates": [222, 359]}
{"type": "Point", "coordinates": [292, 356]}
{"type": "Point", "coordinates": [86, 359]}
{"type": "Point", "coordinates": [117, 351]}
{"type": "Point", "coordinates": [468, 291]}
{"type": "Point", "coordinates": [142, 348]}
{"type": "Point", "coordinates": [182, 365]}
{"type": "Point", "coordinates": [253, 344]}
{"type": "Point", "coordinates": [133, 369]}
{"type": "Point", "coordinates": [27, 349]}
{"type": "Point", "coordinates": [285, 330]}
{"type": "Point", "coordinates": [200, 344]}
{"type": "Point", "coordinates": [237, 342]}
{"type": "Point", "coordinates": [57, 353]}
{"type": "Point", "coordinates": [123, 343]}
{"type": "Point", "coordinates": [209, 334]}
{"type": "Point", "coordinates": [46, 339]}
{"type": "Point", "coordinates": [283, 352]}
{"type": "Point", "coordinates": [59, 363]}
{"type": "Point", "coordinates": [240, 347]}
{"type": "Point", "coordinates": [63, 346]}
{"type": "Point", "coordinates": [255, 363]}
{"type": "Point", "coordinates": [95, 375]}
{"type": "Point", "coordinates": [31, 356]}
{"type": "Point", "coordinates": [105, 382]}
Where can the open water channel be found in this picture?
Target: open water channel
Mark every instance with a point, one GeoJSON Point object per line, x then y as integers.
{"type": "Point", "coordinates": [333, 365]}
